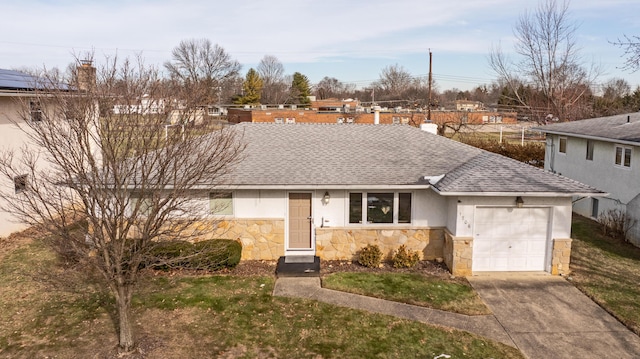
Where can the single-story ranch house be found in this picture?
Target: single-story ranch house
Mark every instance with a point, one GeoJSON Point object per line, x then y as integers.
{"type": "Point", "coordinates": [330, 189]}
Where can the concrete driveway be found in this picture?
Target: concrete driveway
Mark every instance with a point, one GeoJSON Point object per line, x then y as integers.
{"type": "Point", "coordinates": [547, 317]}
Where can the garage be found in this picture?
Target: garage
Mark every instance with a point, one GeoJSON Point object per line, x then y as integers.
{"type": "Point", "coordinates": [510, 239]}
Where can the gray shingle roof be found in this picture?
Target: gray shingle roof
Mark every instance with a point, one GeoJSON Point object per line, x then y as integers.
{"type": "Point", "coordinates": [611, 128]}
{"type": "Point", "coordinates": [374, 155]}
{"type": "Point", "coordinates": [489, 172]}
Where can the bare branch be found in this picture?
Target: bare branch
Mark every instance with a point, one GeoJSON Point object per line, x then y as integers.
{"type": "Point", "coordinates": [631, 47]}
{"type": "Point", "coordinates": [106, 180]}
{"type": "Point", "coordinates": [548, 76]}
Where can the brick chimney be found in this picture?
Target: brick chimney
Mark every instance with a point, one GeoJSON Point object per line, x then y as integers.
{"type": "Point", "coordinates": [86, 75]}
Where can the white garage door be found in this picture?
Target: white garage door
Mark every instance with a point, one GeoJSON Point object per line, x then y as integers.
{"type": "Point", "coordinates": [510, 239]}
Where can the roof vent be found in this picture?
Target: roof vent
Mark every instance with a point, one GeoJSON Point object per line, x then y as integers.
{"type": "Point", "coordinates": [628, 118]}
{"type": "Point", "coordinates": [433, 180]}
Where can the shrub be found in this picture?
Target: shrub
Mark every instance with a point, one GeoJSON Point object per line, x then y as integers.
{"type": "Point", "coordinates": [216, 254]}
{"type": "Point", "coordinates": [167, 254]}
{"type": "Point", "coordinates": [404, 258]}
{"type": "Point", "coordinates": [616, 224]}
{"type": "Point", "coordinates": [213, 254]}
{"type": "Point", "coordinates": [370, 256]}
{"type": "Point", "coordinates": [531, 152]}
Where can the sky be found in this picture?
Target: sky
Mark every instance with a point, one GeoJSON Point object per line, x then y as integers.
{"type": "Point", "coordinates": [352, 41]}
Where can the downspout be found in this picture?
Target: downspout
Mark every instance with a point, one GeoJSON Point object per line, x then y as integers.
{"type": "Point", "coordinates": [552, 153]}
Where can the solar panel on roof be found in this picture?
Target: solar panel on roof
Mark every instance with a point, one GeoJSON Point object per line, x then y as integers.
{"type": "Point", "coordinates": [16, 80]}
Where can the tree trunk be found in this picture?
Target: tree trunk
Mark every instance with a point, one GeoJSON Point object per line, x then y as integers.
{"type": "Point", "coordinates": [125, 332]}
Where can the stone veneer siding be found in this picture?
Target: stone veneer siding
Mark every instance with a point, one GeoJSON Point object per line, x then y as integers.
{"type": "Point", "coordinates": [260, 238]}
{"type": "Point", "coordinates": [458, 254]}
{"type": "Point", "coordinates": [561, 256]}
{"type": "Point", "coordinates": [344, 243]}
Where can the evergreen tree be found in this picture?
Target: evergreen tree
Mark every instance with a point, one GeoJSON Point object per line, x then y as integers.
{"type": "Point", "coordinates": [252, 88]}
{"type": "Point", "coordinates": [300, 89]}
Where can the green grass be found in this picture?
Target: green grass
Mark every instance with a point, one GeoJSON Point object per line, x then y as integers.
{"type": "Point", "coordinates": [252, 318]}
{"type": "Point", "coordinates": [40, 316]}
{"type": "Point", "coordinates": [450, 295]}
{"type": "Point", "coordinates": [177, 316]}
{"type": "Point", "coordinates": [607, 270]}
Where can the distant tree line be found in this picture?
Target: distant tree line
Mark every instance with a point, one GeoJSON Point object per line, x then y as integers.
{"type": "Point", "coordinates": [545, 80]}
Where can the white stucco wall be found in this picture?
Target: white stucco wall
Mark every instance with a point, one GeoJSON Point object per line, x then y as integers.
{"type": "Point", "coordinates": [560, 212]}
{"type": "Point", "coordinates": [260, 204]}
{"type": "Point", "coordinates": [14, 138]}
{"type": "Point", "coordinates": [429, 208]}
{"type": "Point", "coordinates": [11, 138]}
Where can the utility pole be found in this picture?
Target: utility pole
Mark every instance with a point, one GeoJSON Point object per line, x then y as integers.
{"type": "Point", "coordinates": [430, 77]}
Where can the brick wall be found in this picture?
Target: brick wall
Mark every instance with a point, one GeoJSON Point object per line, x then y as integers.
{"type": "Point", "coordinates": [311, 116]}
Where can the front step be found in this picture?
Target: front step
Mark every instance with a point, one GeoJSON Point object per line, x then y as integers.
{"type": "Point", "coordinates": [298, 266]}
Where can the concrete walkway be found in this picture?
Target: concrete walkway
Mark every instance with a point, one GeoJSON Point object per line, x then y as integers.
{"type": "Point", "coordinates": [541, 315]}
{"type": "Point", "coordinates": [309, 288]}
{"type": "Point", "coordinates": [547, 317]}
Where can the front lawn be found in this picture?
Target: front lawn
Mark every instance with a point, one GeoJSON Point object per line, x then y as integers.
{"type": "Point", "coordinates": [203, 316]}
{"type": "Point", "coordinates": [411, 288]}
{"type": "Point", "coordinates": [607, 270]}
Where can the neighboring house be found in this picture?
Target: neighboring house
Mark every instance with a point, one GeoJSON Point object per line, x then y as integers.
{"type": "Point", "coordinates": [466, 105]}
{"type": "Point", "coordinates": [145, 106]}
{"type": "Point", "coordinates": [14, 88]}
{"type": "Point", "coordinates": [329, 190]}
{"type": "Point", "coordinates": [21, 100]}
{"type": "Point", "coordinates": [603, 152]}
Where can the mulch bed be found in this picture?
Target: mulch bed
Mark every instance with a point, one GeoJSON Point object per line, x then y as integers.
{"type": "Point", "coordinates": [268, 268]}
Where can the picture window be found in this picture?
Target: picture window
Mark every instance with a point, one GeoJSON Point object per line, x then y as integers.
{"type": "Point", "coordinates": [379, 207]}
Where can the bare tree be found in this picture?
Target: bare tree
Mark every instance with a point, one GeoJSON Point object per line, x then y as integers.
{"type": "Point", "coordinates": [548, 76]}
{"type": "Point", "coordinates": [103, 180]}
{"type": "Point", "coordinates": [616, 98]}
{"type": "Point", "coordinates": [616, 88]}
{"type": "Point", "coordinates": [631, 47]}
{"type": "Point", "coordinates": [201, 65]}
{"type": "Point", "coordinates": [274, 90]}
{"type": "Point", "coordinates": [394, 80]}
{"type": "Point", "coordinates": [451, 123]}
{"type": "Point", "coordinates": [330, 87]}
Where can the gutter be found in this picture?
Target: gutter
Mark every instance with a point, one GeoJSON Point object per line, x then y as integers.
{"type": "Point", "coordinates": [523, 194]}
{"type": "Point", "coordinates": [307, 187]}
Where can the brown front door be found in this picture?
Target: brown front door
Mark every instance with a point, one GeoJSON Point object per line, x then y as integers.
{"type": "Point", "coordinates": [300, 220]}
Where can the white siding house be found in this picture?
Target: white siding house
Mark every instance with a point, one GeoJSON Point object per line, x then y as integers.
{"type": "Point", "coordinates": [329, 190]}
{"type": "Point", "coordinates": [604, 153]}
